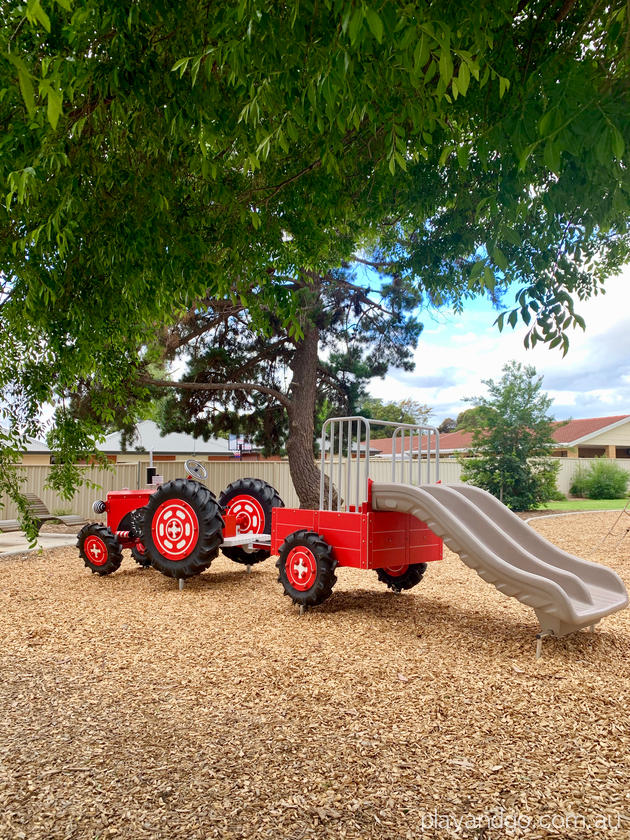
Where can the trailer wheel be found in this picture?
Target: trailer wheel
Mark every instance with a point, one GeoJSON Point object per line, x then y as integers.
{"type": "Point", "coordinates": [252, 500]}
{"type": "Point", "coordinates": [402, 577]}
{"type": "Point", "coordinates": [182, 528]}
{"type": "Point", "coordinates": [306, 568]}
{"type": "Point", "coordinates": [100, 549]}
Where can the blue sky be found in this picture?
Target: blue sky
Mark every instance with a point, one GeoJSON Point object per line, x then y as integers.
{"type": "Point", "coordinates": [456, 352]}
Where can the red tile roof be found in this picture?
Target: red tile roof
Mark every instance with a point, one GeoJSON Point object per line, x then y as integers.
{"type": "Point", "coordinates": [577, 429]}
{"type": "Point", "coordinates": [565, 433]}
{"type": "Point", "coordinates": [448, 443]}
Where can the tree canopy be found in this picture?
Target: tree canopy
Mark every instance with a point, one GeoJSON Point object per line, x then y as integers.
{"type": "Point", "coordinates": [406, 410]}
{"type": "Point", "coordinates": [509, 454]}
{"type": "Point", "coordinates": [157, 153]}
{"type": "Point", "coordinates": [274, 386]}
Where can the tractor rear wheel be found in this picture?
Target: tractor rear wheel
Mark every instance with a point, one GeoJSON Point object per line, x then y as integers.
{"type": "Point", "coordinates": [100, 549]}
{"type": "Point", "coordinates": [398, 578]}
{"type": "Point", "coordinates": [182, 528]}
{"type": "Point", "coordinates": [306, 568]}
{"type": "Point", "coordinates": [252, 501]}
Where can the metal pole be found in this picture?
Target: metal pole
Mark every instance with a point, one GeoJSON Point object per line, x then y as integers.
{"type": "Point", "coordinates": [322, 469]}
{"type": "Point", "coordinates": [437, 456]}
{"type": "Point", "coordinates": [339, 469]}
{"type": "Point", "coordinates": [359, 436]}
{"type": "Point", "coordinates": [367, 456]}
{"type": "Point", "coordinates": [331, 451]}
{"type": "Point", "coordinates": [349, 465]}
{"type": "Point", "coordinates": [394, 441]}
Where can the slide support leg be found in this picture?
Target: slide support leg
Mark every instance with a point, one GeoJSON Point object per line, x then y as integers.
{"type": "Point", "coordinates": [539, 641]}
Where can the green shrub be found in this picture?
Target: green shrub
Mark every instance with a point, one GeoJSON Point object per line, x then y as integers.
{"type": "Point", "coordinates": [604, 480]}
{"type": "Point", "coordinates": [579, 482]}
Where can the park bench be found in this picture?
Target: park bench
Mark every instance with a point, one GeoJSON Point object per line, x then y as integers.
{"type": "Point", "coordinates": [40, 514]}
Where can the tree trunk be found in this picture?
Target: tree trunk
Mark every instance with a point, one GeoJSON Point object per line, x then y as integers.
{"type": "Point", "coordinates": [304, 473]}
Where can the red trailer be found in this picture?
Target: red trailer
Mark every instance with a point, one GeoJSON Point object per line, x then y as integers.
{"type": "Point", "coordinates": [346, 531]}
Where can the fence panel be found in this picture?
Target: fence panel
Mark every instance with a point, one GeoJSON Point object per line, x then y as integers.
{"type": "Point", "coordinates": [222, 473]}
{"type": "Point", "coordinates": [569, 466]}
{"type": "Point", "coordinates": [35, 482]}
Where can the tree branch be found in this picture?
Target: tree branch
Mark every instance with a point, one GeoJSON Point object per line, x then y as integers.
{"type": "Point", "coordinates": [266, 354]}
{"type": "Point", "coordinates": [216, 386]}
{"type": "Point", "coordinates": [222, 313]}
{"type": "Point", "coordinates": [324, 373]}
{"type": "Point", "coordinates": [376, 265]}
{"type": "Point", "coordinates": [277, 187]}
{"type": "Point", "coordinates": [364, 295]}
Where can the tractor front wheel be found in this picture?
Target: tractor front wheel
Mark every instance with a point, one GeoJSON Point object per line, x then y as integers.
{"type": "Point", "coordinates": [398, 578]}
{"type": "Point", "coordinates": [306, 568]}
{"type": "Point", "coordinates": [100, 549]}
{"type": "Point", "coordinates": [139, 554]}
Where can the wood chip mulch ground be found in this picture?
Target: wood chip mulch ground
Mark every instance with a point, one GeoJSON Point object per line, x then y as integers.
{"type": "Point", "coordinates": [131, 710]}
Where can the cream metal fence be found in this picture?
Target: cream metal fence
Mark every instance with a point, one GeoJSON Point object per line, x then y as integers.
{"type": "Point", "coordinates": [132, 476]}
{"type": "Point", "coordinates": [222, 473]}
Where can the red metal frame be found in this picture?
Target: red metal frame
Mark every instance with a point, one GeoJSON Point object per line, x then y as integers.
{"type": "Point", "coordinates": [121, 502]}
{"type": "Point", "coordinates": [367, 539]}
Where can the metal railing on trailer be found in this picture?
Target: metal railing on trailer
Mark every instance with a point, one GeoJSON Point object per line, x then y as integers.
{"type": "Point", "coordinates": [346, 451]}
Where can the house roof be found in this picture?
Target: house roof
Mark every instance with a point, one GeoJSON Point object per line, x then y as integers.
{"type": "Point", "coordinates": [451, 442]}
{"type": "Point", "coordinates": [33, 444]}
{"type": "Point", "coordinates": [569, 433]}
{"type": "Point", "coordinates": [149, 439]}
{"type": "Point", "coordinates": [577, 431]}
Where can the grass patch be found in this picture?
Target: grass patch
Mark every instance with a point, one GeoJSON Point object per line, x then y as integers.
{"type": "Point", "coordinates": [586, 504]}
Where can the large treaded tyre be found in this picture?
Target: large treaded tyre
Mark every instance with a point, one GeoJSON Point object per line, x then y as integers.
{"type": "Point", "coordinates": [182, 529]}
{"type": "Point", "coordinates": [306, 568]}
{"type": "Point", "coordinates": [132, 522]}
{"type": "Point", "coordinates": [254, 500]}
{"type": "Point", "coordinates": [141, 557]}
{"type": "Point", "coordinates": [403, 577]}
{"type": "Point", "coordinates": [99, 548]}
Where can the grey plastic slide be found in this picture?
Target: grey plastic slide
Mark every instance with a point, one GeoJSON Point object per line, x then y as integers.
{"type": "Point", "coordinates": [566, 593]}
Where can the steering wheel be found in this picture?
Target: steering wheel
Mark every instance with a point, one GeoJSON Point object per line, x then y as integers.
{"type": "Point", "coordinates": [196, 469]}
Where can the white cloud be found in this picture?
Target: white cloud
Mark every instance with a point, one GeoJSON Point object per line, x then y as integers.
{"type": "Point", "coordinates": [456, 352]}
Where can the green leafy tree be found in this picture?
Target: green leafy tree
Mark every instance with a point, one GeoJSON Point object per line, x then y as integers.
{"type": "Point", "coordinates": [470, 418]}
{"type": "Point", "coordinates": [447, 425]}
{"type": "Point", "coordinates": [509, 453]}
{"type": "Point", "coordinates": [154, 153]}
{"type": "Point", "coordinates": [401, 411]}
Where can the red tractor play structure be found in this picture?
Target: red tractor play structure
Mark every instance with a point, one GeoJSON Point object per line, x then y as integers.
{"type": "Point", "coordinates": [394, 527]}
{"type": "Point", "coordinates": [179, 527]}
